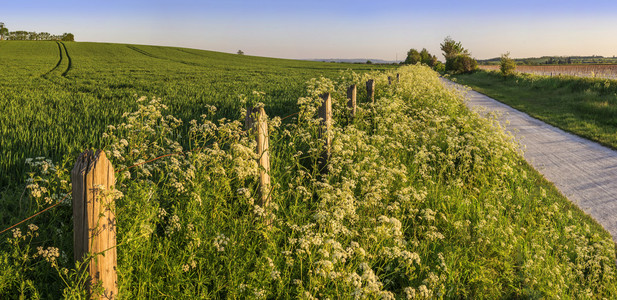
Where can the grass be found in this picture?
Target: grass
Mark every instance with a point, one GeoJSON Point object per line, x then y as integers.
{"type": "Point", "coordinates": [56, 99]}
{"type": "Point", "coordinates": [422, 199]}
{"type": "Point", "coordinates": [586, 107]}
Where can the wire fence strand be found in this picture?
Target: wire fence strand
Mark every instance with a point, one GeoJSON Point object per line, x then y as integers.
{"type": "Point", "coordinates": [118, 171]}
{"type": "Point", "coordinates": [36, 214]}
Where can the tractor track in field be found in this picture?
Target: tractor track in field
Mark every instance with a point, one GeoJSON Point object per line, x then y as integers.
{"type": "Point", "coordinates": [583, 171]}
{"type": "Point", "coordinates": [163, 58]}
{"type": "Point", "coordinates": [58, 63]}
{"type": "Point", "coordinates": [70, 65]}
{"type": "Point", "coordinates": [143, 52]}
{"type": "Point", "coordinates": [63, 52]}
{"type": "Point", "coordinates": [189, 52]}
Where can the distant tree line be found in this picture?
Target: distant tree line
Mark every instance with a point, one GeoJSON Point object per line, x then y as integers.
{"type": "Point", "coordinates": [38, 36]}
{"type": "Point", "coordinates": [555, 60]}
{"type": "Point", "coordinates": [424, 57]}
{"type": "Point", "coordinates": [22, 35]}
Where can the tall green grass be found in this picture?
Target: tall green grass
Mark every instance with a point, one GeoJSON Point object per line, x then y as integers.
{"type": "Point", "coordinates": [584, 106]}
{"type": "Point", "coordinates": [422, 199]}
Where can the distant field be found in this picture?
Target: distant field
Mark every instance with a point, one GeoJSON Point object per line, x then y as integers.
{"type": "Point", "coordinates": [597, 71]}
{"type": "Point", "coordinates": [57, 98]}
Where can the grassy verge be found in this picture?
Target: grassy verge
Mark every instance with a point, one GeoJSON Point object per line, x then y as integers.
{"type": "Point", "coordinates": [422, 199]}
{"type": "Point", "coordinates": [584, 106]}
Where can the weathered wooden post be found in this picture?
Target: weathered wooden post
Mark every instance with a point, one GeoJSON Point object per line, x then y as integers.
{"type": "Point", "coordinates": [370, 90]}
{"type": "Point", "coordinates": [256, 121]}
{"type": "Point", "coordinates": [351, 102]}
{"type": "Point", "coordinates": [94, 220]}
{"type": "Point", "coordinates": [398, 77]}
{"type": "Point", "coordinates": [325, 114]}
{"type": "Point", "coordinates": [389, 80]}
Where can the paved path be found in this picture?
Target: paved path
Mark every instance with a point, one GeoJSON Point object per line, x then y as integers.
{"type": "Point", "coordinates": [584, 171]}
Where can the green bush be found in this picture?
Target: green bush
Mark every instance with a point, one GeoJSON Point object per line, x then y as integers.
{"type": "Point", "coordinates": [507, 65]}
{"type": "Point", "coordinates": [462, 63]}
{"type": "Point", "coordinates": [439, 67]}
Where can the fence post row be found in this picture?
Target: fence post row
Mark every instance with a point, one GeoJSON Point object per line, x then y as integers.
{"type": "Point", "coordinates": [370, 90]}
{"type": "Point", "coordinates": [325, 115]}
{"type": "Point", "coordinates": [94, 220]}
{"type": "Point", "coordinates": [256, 121]}
{"type": "Point", "coordinates": [351, 102]}
{"type": "Point", "coordinates": [93, 177]}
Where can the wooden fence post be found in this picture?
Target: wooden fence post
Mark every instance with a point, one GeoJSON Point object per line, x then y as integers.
{"type": "Point", "coordinates": [389, 80]}
{"type": "Point", "coordinates": [351, 102]}
{"type": "Point", "coordinates": [94, 220]}
{"type": "Point", "coordinates": [370, 90]}
{"type": "Point", "coordinates": [325, 114]}
{"type": "Point", "coordinates": [398, 77]}
{"type": "Point", "coordinates": [257, 121]}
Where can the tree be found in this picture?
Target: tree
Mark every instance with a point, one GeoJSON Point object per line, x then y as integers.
{"type": "Point", "coordinates": [433, 61]}
{"type": "Point", "coordinates": [428, 59]}
{"type": "Point", "coordinates": [240, 52]}
{"type": "Point", "coordinates": [368, 62]}
{"type": "Point", "coordinates": [458, 59]}
{"type": "Point", "coordinates": [3, 31]}
{"type": "Point", "coordinates": [413, 57]}
{"type": "Point", "coordinates": [452, 48]}
{"type": "Point", "coordinates": [68, 37]}
{"type": "Point", "coordinates": [507, 65]}
{"type": "Point", "coordinates": [45, 36]}
{"type": "Point", "coordinates": [425, 57]}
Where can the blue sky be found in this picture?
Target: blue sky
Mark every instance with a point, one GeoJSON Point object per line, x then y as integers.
{"type": "Point", "coordinates": [383, 29]}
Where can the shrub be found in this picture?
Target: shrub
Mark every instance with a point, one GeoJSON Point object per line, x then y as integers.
{"type": "Point", "coordinates": [462, 63]}
{"type": "Point", "coordinates": [507, 65]}
{"type": "Point", "coordinates": [439, 67]}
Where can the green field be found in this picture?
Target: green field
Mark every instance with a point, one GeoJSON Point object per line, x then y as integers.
{"type": "Point", "coordinates": [421, 198]}
{"type": "Point", "coordinates": [56, 99]}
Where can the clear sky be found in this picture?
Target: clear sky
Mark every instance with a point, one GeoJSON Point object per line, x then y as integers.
{"type": "Point", "coordinates": [378, 29]}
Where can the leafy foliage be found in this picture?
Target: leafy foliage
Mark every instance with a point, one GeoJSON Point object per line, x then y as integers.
{"type": "Point", "coordinates": [424, 57]}
{"type": "Point", "coordinates": [462, 64]}
{"type": "Point", "coordinates": [413, 57]}
{"type": "Point", "coordinates": [68, 37]}
{"type": "Point", "coordinates": [458, 59]}
{"type": "Point", "coordinates": [452, 48]}
{"type": "Point", "coordinates": [507, 65]}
